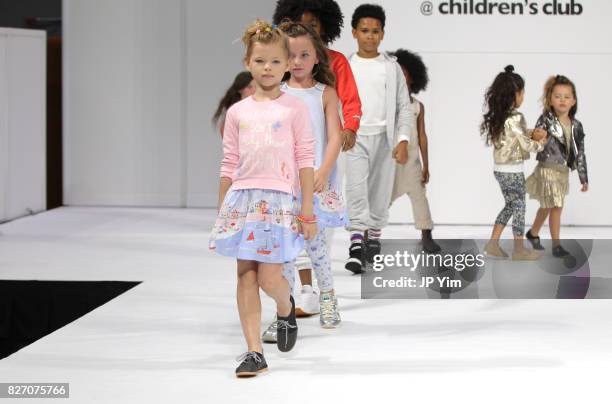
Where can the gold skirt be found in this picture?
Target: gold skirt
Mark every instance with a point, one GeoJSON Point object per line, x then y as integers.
{"type": "Point", "coordinates": [548, 184]}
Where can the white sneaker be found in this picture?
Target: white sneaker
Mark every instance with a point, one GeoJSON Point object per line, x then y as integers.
{"type": "Point", "coordinates": [308, 303]}
{"type": "Point", "coordinates": [330, 317]}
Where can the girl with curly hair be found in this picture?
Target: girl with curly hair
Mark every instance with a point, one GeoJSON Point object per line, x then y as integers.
{"type": "Point", "coordinates": [504, 127]}
{"type": "Point", "coordinates": [412, 177]}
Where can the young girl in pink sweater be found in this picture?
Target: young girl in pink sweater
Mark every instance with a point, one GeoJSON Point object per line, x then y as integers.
{"type": "Point", "coordinates": [268, 157]}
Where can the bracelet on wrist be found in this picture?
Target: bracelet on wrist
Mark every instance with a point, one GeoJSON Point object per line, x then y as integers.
{"type": "Point", "coordinates": [307, 219]}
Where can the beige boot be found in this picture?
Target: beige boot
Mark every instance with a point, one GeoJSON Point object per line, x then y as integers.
{"type": "Point", "coordinates": [492, 249]}
{"type": "Point", "coordinates": [520, 253]}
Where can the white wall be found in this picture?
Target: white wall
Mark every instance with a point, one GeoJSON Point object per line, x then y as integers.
{"type": "Point", "coordinates": [124, 99]}
{"type": "Point", "coordinates": [143, 79]}
{"type": "Point", "coordinates": [22, 122]}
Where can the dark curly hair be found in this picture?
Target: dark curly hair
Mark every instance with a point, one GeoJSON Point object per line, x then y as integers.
{"type": "Point", "coordinates": [413, 63]}
{"type": "Point", "coordinates": [499, 101]}
{"type": "Point", "coordinates": [232, 95]}
{"type": "Point", "coordinates": [371, 11]}
{"type": "Point", "coordinates": [327, 11]}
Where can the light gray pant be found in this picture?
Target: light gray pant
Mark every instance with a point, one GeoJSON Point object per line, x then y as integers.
{"type": "Point", "coordinates": [370, 172]}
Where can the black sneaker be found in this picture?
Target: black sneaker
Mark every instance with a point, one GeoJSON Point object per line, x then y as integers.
{"type": "Point", "coordinates": [355, 262]}
{"type": "Point", "coordinates": [251, 363]}
{"type": "Point", "coordinates": [560, 252]}
{"type": "Point", "coordinates": [534, 240]}
{"type": "Point", "coordinates": [287, 330]}
{"type": "Point", "coordinates": [372, 250]}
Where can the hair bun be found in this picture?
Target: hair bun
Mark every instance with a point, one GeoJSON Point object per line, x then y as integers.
{"type": "Point", "coordinates": [509, 69]}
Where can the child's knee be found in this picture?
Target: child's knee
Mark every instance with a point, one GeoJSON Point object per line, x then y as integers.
{"type": "Point", "coordinates": [247, 273]}
{"type": "Point", "coordinates": [270, 283]}
{"type": "Point", "coordinates": [247, 278]}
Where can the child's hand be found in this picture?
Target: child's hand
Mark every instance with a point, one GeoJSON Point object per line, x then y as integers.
{"type": "Point", "coordinates": [538, 134]}
{"type": "Point", "coordinates": [309, 230]}
{"type": "Point", "coordinates": [400, 152]}
{"type": "Point", "coordinates": [425, 178]}
{"type": "Point", "coordinates": [320, 180]}
{"type": "Point", "coordinates": [348, 139]}
{"type": "Point", "coordinates": [585, 187]}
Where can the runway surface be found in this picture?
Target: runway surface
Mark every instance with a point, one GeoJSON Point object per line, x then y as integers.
{"type": "Point", "coordinates": [174, 337]}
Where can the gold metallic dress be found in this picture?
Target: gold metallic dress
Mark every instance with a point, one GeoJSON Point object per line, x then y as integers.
{"type": "Point", "coordinates": [549, 183]}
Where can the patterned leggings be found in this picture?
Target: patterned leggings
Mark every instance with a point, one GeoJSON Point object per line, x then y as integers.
{"type": "Point", "coordinates": [317, 250]}
{"type": "Point", "coordinates": [513, 188]}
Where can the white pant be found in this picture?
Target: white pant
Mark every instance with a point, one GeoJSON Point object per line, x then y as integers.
{"type": "Point", "coordinates": [370, 171]}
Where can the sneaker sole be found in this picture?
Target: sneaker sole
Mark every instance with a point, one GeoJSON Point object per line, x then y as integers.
{"type": "Point", "coordinates": [250, 374]}
{"type": "Point", "coordinates": [299, 312]}
{"type": "Point", "coordinates": [330, 327]}
{"type": "Point", "coordinates": [354, 265]}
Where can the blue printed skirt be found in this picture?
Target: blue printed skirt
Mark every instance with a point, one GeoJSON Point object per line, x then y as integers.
{"type": "Point", "coordinates": [259, 225]}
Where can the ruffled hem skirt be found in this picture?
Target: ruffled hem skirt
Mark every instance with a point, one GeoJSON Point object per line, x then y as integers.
{"type": "Point", "coordinates": [548, 185]}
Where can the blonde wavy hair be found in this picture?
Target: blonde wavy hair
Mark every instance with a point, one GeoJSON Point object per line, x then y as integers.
{"type": "Point", "coordinates": [263, 32]}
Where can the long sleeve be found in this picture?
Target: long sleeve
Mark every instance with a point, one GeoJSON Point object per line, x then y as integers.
{"type": "Point", "coordinates": [347, 91]}
{"type": "Point", "coordinates": [404, 117]}
{"type": "Point", "coordinates": [304, 138]}
{"type": "Point", "coordinates": [231, 151]}
{"type": "Point", "coordinates": [517, 129]}
{"type": "Point", "coordinates": [581, 164]}
{"type": "Point", "coordinates": [541, 123]}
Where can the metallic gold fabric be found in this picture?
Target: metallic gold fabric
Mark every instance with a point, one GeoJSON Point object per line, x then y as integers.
{"type": "Point", "coordinates": [515, 143]}
{"type": "Point", "coordinates": [549, 184]}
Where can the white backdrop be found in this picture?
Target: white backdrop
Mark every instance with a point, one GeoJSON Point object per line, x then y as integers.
{"type": "Point", "coordinates": [144, 77]}
{"type": "Point", "coordinates": [22, 122]}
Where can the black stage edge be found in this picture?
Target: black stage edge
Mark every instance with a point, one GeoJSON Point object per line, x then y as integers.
{"type": "Point", "coordinates": [29, 310]}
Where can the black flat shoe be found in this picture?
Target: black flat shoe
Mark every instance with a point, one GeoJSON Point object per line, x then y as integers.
{"type": "Point", "coordinates": [251, 364]}
{"type": "Point", "coordinates": [560, 252]}
{"type": "Point", "coordinates": [287, 330]}
{"type": "Point", "coordinates": [535, 241]}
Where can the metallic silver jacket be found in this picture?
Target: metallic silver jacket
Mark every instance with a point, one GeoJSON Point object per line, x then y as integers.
{"type": "Point", "coordinates": [515, 144]}
{"type": "Point", "coordinates": [555, 151]}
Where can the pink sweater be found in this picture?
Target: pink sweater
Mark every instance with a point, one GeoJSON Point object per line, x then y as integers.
{"type": "Point", "coordinates": [265, 143]}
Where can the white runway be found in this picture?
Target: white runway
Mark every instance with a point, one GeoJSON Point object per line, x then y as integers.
{"type": "Point", "coordinates": [174, 337]}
